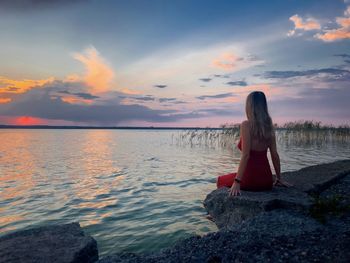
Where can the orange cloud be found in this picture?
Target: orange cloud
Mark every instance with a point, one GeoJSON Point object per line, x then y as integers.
{"type": "Point", "coordinates": [131, 92]}
{"type": "Point", "coordinates": [333, 35]}
{"type": "Point", "coordinates": [299, 23]}
{"type": "Point", "coordinates": [227, 61]}
{"type": "Point", "coordinates": [343, 21]}
{"type": "Point", "coordinates": [21, 86]}
{"type": "Point", "coordinates": [343, 32]}
{"type": "Point", "coordinates": [5, 100]}
{"type": "Point", "coordinates": [98, 74]}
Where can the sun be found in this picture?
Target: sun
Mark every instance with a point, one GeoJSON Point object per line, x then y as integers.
{"type": "Point", "coordinates": [28, 120]}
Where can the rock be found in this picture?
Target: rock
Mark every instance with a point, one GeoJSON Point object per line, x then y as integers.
{"type": "Point", "coordinates": [317, 178]}
{"type": "Point", "coordinates": [57, 243]}
{"type": "Point", "coordinates": [262, 239]}
{"type": "Point", "coordinates": [278, 223]}
{"type": "Point", "coordinates": [227, 211]}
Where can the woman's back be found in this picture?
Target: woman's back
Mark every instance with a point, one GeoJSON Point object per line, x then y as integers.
{"type": "Point", "coordinates": [257, 175]}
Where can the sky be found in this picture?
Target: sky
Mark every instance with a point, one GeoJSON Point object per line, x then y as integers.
{"type": "Point", "coordinates": [188, 63]}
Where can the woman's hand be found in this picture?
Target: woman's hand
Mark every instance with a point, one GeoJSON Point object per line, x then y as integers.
{"type": "Point", "coordinates": [280, 182]}
{"type": "Point", "coordinates": [235, 189]}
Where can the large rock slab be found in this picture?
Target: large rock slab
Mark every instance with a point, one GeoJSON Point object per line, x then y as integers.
{"type": "Point", "coordinates": [277, 236]}
{"type": "Point", "coordinates": [57, 244]}
{"type": "Point", "coordinates": [227, 211]}
{"type": "Point", "coordinates": [317, 178]}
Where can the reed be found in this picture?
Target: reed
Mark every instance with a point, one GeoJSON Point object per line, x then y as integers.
{"type": "Point", "coordinates": [306, 133]}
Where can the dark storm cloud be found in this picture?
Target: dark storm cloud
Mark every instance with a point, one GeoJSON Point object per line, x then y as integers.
{"type": "Point", "coordinates": [237, 83]}
{"type": "Point", "coordinates": [160, 86]}
{"type": "Point", "coordinates": [217, 96]}
{"type": "Point", "coordinates": [331, 72]}
{"type": "Point", "coordinates": [24, 5]}
{"type": "Point", "coordinates": [82, 95]}
{"type": "Point", "coordinates": [205, 79]}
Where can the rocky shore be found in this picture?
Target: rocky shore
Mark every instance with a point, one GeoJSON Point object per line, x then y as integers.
{"type": "Point", "coordinates": [309, 222]}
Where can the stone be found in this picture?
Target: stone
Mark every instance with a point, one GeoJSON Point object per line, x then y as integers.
{"type": "Point", "coordinates": [261, 239]}
{"type": "Point", "coordinates": [56, 243]}
{"type": "Point", "coordinates": [317, 178]}
{"type": "Point", "coordinates": [227, 211]}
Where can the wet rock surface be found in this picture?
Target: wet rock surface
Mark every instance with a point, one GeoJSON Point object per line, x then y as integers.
{"type": "Point", "coordinates": [57, 243]}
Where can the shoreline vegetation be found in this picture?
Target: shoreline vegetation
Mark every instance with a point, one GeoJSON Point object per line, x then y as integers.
{"type": "Point", "coordinates": [296, 133]}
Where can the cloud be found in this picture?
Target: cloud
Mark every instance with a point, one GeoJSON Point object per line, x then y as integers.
{"type": "Point", "coordinates": [220, 112]}
{"type": "Point", "coordinates": [227, 61]}
{"type": "Point", "coordinates": [217, 96]}
{"type": "Point", "coordinates": [21, 86]}
{"type": "Point", "coordinates": [166, 99]}
{"type": "Point", "coordinates": [98, 74]}
{"type": "Point", "coordinates": [237, 83]}
{"type": "Point", "coordinates": [160, 86]}
{"type": "Point", "coordinates": [327, 73]}
{"type": "Point", "coordinates": [206, 79]}
{"type": "Point", "coordinates": [39, 103]}
{"type": "Point", "coordinates": [5, 100]}
{"type": "Point", "coordinates": [144, 98]}
{"type": "Point", "coordinates": [82, 95]}
{"type": "Point", "coordinates": [334, 34]}
{"type": "Point", "coordinates": [342, 55]}
{"type": "Point", "coordinates": [221, 76]}
{"type": "Point", "coordinates": [320, 103]}
{"type": "Point", "coordinates": [171, 100]}
{"type": "Point", "coordinates": [25, 5]}
{"type": "Point", "coordinates": [339, 33]}
{"type": "Point", "coordinates": [303, 24]}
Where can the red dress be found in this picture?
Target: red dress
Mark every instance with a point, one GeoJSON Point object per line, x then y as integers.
{"type": "Point", "coordinates": [257, 175]}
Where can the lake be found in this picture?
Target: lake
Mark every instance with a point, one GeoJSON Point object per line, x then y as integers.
{"type": "Point", "coordinates": [132, 190]}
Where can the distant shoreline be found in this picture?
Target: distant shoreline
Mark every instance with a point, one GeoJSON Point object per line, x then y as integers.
{"type": "Point", "coordinates": [103, 127]}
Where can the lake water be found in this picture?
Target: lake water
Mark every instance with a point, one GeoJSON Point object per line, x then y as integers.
{"type": "Point", "coordinates": [132, 190]}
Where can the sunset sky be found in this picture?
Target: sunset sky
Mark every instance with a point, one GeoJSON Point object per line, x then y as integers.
{"type": "Point", "coordinates": [172, 63]}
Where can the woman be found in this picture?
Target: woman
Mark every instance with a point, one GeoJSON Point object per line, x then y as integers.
{"type": "Point", "coordinates": [257, 136]}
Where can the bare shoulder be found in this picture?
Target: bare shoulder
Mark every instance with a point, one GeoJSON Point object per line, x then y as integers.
{"type": "Point", "coordinates": [245, 125]}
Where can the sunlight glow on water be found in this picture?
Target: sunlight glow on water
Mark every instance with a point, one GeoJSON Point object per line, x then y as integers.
{"type": "Point", "coordinates": [132, 190]}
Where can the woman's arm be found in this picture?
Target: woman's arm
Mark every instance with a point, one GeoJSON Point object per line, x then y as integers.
{"type": "Point", "coordinates": [275, 157]}
{"type": "Point", "coordinates": [246, 142]}
{"type": "Point", "coordinates": [276, 163]}
{"type": "Point", "coordinates": [245, 133]}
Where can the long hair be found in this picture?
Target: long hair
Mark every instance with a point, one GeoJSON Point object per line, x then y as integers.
{"type": "Point", "coordinates": [258, 116]}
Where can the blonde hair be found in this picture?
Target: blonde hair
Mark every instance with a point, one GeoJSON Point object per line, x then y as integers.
{"type": "Point", "coordinates": [258, 116]}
